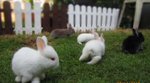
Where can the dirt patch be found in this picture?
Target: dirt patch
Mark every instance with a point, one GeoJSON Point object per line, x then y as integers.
{"type": "Point", "coordinates": [30, 42]}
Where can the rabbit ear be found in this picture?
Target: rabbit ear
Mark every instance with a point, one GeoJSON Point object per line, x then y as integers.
{"type": "Point", "coordinates": [102, 37]}
{"type": "Point", "coordinates": [96, 35]}
{"type": "Point", "coordinates": [40, 43]}
{"type": "Point", "coordinates": [135, 32]}
{"type": "Point", "coordinates": [45, 39]}
{"type": "Point", "coordinates": [93, 31]}
{"type": "Point", "coordinates": [68, 25]}
{"type": "Point", "coordinates": [101, 34]}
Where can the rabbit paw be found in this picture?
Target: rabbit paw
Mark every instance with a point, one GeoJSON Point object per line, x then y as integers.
{"type": "Point", "coordinates": [42, 76]}
{"type": "Point", "coordinates": [36, 80]}
{"type": "Point", "coordinates": [18, 79]}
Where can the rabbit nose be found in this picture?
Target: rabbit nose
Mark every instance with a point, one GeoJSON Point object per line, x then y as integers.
{"type": "Point", "coordinates": [52, 59]}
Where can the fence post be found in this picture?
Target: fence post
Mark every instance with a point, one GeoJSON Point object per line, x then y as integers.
{"type": "Point", "coordinates": [7, 17]}
{"type": "Point", "coordinates": [37, 18]}
{"type": "Point", "coordinates": [60, 16]}
{"type": "Point", "coordinates": [46, 18]}
{"type": "Point", "coordinates": [1, 27]}
{"type": "Point", "coordinates": [18, 16]}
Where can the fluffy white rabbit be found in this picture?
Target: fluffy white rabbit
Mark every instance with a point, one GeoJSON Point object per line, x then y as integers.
{"type": "Point", "coordinates": [94, 49]}
{"type": "Point", "coordinates": [85, 37]}
{"type": "Point", "coordinates": [29, 64]}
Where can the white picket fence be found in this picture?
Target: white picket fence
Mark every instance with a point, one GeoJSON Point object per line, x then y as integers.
{"type": "Point", "coordinates": [87, 18]}
{"type": "Point", "coordinates": [28, 27]}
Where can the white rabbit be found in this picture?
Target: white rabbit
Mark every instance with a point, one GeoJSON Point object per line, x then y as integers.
{"type": "Point", "coordinates": [85, 37]}
{"type": "Point", "coordinates": [94, 49]}
{"type": "Point", "coordinates": [29, 64]}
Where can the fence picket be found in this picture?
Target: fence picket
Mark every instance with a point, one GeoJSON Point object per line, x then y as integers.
{"type": "Point", "coordinates": [71, 14]}
{"type": "Point", "coordinates": [99, 21]}
{"type": "Point", "coordinates": [89, 17]}
{"type": "Point", "coordinates": [108, 22]}
{"type": "Point", "coordinates": [37, 18]}
{"type": "Point", "coordinates": [94, 15]}
{"type": "Point", "coordinates": [28, 19]}
{"type": "Point", "coordinates": [116, 17]}
{"type": "Point", "coordinates": [115, 13]}
{"type": "Point", "coordinates": [77, 16]}
{"type": "Point", "coordinates": [104, 12]}
{"type": "Point", "coordinates": [18, 17]}
{"type": "Point", "coordinates": [83, 18]}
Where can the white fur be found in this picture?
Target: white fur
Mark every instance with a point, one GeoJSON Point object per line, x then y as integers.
{"type": "Point", "coordinates": [29, 64]}
{"type": "Point", "coordinates": [84, 37]}
{"type": "Point", "coordinates": [45, 39]}
{"type": "Point", "coordinates": [94, 49]}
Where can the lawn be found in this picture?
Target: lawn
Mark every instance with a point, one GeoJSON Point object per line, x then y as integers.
{"type": "Point", "coordinates": [114, 67]}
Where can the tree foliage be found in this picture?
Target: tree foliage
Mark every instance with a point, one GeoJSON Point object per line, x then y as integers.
{"type": "Point", "coordinates": [106, 3]}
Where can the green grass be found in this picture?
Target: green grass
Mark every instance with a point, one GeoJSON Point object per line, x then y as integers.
{"type": "Point", "coordinates": [115, 66]}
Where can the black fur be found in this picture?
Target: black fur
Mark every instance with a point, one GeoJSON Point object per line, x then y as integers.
{"type": "Point", "coordinates": [134, 43]}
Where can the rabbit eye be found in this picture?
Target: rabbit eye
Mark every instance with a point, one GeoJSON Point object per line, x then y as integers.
{"type": "Point", "coordinates": [52, 59]}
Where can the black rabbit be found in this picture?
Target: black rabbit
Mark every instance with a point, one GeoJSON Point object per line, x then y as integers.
{"type": "Point", "coordinates": [133, 43]}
